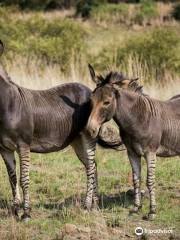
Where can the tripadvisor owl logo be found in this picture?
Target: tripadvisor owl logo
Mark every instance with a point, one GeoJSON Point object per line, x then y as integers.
{"type": "Point", "coordinates": [139, 231]}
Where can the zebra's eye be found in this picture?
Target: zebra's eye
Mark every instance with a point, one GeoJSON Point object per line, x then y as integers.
{"type": "Point", "coordinates": [106, 103]}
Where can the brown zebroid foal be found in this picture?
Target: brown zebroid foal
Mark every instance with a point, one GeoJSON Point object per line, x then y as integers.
{"type": "Point", "coordinates": [148, 127]}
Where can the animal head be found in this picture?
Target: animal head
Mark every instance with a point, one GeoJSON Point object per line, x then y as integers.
{"type": "Point", "coordinates": [115, 78]}
{"type": "Point", "coordinates": [103, 98]}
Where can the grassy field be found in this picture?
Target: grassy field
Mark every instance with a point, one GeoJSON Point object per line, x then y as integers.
{"type": "Point", "coordinates": [57, 192]}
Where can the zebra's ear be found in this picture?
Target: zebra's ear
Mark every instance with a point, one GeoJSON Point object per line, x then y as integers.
{"type": "Point", "coordinates": [92, 72]}
{"type": "Point", "coordinates": [1, 47]}
{"type": "Point", "coordinates": [96, 79]}
{"type": "Point", "coordinates": [133, 81]}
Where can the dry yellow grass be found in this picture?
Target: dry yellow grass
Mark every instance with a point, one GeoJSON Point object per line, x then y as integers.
{"type": "Point", "coordinates": [32, 75]}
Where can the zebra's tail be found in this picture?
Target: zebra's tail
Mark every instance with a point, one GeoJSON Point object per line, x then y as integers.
{"type": "Point", "coordinates": [109, 138]}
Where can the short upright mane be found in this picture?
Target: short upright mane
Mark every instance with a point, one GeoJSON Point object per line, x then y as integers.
{"type": "Point", "coordinates": [111, 77]}
{"type": "Point", "coordinates": [118, 78]}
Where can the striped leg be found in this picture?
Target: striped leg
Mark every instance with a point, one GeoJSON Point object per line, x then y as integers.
{"type": "Point", "coordinates": [24, 155]}
{"type": "Point", "coordinates": [151, 164]}
{"type": "Point", "coordinates": [10, 163]}
{"type": "Point", "coordinates": [135, 161]}
{"type": "Point", "coordinates": [95, 191]}
{"type": "Point", "coordinates": [84, 147]}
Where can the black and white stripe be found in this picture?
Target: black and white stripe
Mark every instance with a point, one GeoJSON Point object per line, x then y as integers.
{"type": "Point", "coordinates": [10, 163]}
{"type": "Point", "coordinates": [84, 147]}
{"type": "Point", "coordinates": [24, 155]}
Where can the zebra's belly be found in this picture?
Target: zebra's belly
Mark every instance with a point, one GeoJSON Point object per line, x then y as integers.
{"type": "Point", "coordinates": [47, 146]}
{"type": "Point", "coordinates": [54, 136]}
{"type": "Point", "coordinates": [164, 151]}
{"type": "Point", "coordinates": [53, 140]}
{"type": "Point", "coordinates": [170, 140]}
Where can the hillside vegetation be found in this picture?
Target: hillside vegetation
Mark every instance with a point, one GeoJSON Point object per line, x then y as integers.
{"type": "Point", "coordinates": [145, 34]}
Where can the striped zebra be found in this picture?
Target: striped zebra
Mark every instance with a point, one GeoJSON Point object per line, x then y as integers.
{"type": "Point", "coordinates": [148, 127]}
{"type": "Point", "coordinates": [47, 121]}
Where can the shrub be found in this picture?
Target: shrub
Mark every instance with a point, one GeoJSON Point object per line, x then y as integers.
{"type": "Point", "coordinates": [110, 13]}
{"type": "Point", "coordinates": [146, 11]}
{"type": "Point", "coordinates": [84, 7]}
{"type": "Point", "coordinates": [59, 42]}
{"type": "Point", "coordinates": [176, 11]}
{"type": "Point", "coordinates": [53, 41]}
{"type": "Point", "coordinates": [159, 50]}
{"type": "Point", "coordinates": [40, 4]}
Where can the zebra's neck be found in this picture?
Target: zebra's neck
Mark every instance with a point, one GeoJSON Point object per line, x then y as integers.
{"type": "Point", "coordinates": [133, 109]}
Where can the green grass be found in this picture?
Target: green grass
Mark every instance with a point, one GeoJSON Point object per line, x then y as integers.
{"type": "Point", "coordinates": [57, 190]}
{"type": "Point", "coordinates": [110, 13]}
{"type": "Point", "coordinates": [53, 41]}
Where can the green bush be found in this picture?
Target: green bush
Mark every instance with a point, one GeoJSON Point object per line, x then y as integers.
{"type": "Point", "coordinates": [158, 49]}
{"type": "Point", "coordinates": [53, 41]}
{"type": "Point", "coordinates": [40, 4]}
{"type": "Point", "coordinates": [145, 12]}
{"type": "Point", "coordinates": [84, 7]}
{"type": "Point", "coordinates": [176, 12]}
{"type": "Point", "coordinates": [110, 13]}
{"type": "Point", "coordinates": [103, 11]}
{"type": "Point", "coordinates": [59, 42]}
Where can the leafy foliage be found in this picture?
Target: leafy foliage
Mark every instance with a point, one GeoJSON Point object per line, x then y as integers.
{"type": "Point", "coordinates": [57, 41]}
{"type": "Point", "coordinates": [110, 13]}
{"type": "Point", "coordinates": [146, 11]}
{"type": "Point", "coordinates": [158, 49]}
{"type": "Point", "coordinates": [40, 4]}
{"type": "Point", "coordinates": [84, 8]}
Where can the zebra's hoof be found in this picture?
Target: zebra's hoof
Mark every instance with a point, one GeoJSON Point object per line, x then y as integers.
{"type": "Point", "coordinates": [25, 218]}
{"type": "Point", "coordinates": [14, 212]}
{"type": "Point", "coordinates": [134, 210]}
{"type": "Point", "coordinates": [149, 217]}
{"type": "Point", "coordinates": [95, 204]}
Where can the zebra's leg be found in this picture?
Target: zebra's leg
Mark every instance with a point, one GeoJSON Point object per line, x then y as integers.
{"type": "Point", "coordinates": [10, 163]}
{"type": "Point", "coordinates": [24, 155]}
{"type": "Point", "coordinates": [135, 161]}
{"type": "Point", "coordinates": [84, 147]}
{"type": "Point", "coordinates": [151, 164]}
{"type": "Point", "coordinates": [95, 191]}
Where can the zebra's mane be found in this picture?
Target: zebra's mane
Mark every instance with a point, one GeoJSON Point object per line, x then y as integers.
{"type": "Point", "coordinates": [117, 78]}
